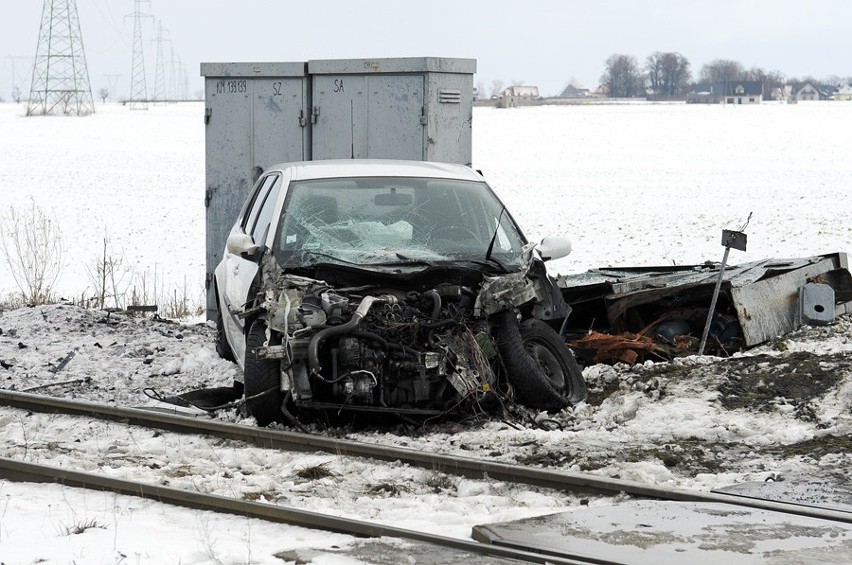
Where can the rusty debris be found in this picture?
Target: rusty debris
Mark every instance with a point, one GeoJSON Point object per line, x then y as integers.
{"type": "Point", "coordinates": [604, 348]}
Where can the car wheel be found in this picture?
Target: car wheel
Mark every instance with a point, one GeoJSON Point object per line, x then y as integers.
{"type": "Point", "coordinates": [222, 347]}
{"type": "Point", "coordinates": [541, 368]}
{"type": "Point", "coordinates": [262, 380]}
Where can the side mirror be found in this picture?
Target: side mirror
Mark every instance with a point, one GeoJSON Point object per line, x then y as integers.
{"type": "Point", "coordinates": [554, 248]}
{"type": "Point", "coordinates": [241, 244]}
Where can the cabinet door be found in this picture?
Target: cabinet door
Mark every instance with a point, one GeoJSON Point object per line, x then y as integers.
{"type": "Point", "coordinates": [368, 116]}
{"type": "Point", "coordinates": [278, 134]}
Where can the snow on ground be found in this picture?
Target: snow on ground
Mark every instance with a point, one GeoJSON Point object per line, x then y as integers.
{"type": "Point", "coordinates": [633, 184]}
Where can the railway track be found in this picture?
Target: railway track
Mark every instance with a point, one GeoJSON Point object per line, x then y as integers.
{"type": "Point", "coordinates": [294, 441]}
{"type": "Point", "coordinates": [463, 466]}
{"type": "Point", "coordinates": [28, 472]}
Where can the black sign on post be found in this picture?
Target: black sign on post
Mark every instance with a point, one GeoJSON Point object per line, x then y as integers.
{"type": "Point", "coordinates": [734, 239]}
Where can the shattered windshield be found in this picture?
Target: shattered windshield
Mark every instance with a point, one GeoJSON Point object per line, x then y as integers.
{"type": "Point", "coordinates": [394, 222]}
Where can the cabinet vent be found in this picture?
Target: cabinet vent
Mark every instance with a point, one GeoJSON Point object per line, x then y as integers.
{"type": "Point", "coordinates": [449, 96]}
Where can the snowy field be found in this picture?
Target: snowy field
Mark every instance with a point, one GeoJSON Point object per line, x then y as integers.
{"type": "Point", "coordinates": [631, 185]}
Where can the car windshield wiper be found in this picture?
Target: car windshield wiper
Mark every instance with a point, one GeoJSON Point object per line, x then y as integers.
{"type": "Point", "coordinates": [494, 236]}
{"type": "Point", "coordinates": [327, 256]}
{"type": "Point", "coordinates": [403, 262]}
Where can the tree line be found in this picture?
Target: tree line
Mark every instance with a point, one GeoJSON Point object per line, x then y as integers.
{"type": "Point", "coordinates": [668, 75]}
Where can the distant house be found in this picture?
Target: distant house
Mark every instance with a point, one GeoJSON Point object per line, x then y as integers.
{"type": "Point", "coordinates": [704, 93]}
{"type": "Point", "coordinates": [810, 91]}
{"type": "Point", "coordinates": [518, 95]}
{"type": "Point", "coordinates": [572, 91]}
{"type": "Point", "coordinates": [845, 93]}
{"type": "Point", "coordinates": [744, 92]}
{"type": "Point", "coordinates": [520, 91]}
{"type": "Point", "coordinates": [731, 92]}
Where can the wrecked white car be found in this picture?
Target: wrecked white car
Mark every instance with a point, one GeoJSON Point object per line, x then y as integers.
{"type": "Point", "coordinates": [402, 287]}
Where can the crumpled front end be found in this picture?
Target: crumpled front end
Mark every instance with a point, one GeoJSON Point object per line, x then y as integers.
{"type": "Point", "coordinates": [414, 351]}
{"type": "Point", "coordinates": [430, 343]}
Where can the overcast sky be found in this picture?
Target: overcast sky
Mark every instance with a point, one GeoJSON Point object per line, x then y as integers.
{"type": "Point", "coordinates": [541, 42]}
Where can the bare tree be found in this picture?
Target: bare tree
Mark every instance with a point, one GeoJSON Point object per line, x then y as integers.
{"type": "Point", "coordinates": [721, 70]}
{"type": "Point", "coordinates": [479, 91]}
{"type": "Point", "coordinates": [31, 243]}
{"type": "Point", "coordinates": [110, 277]}
{"type": "Point", "coordinates": [668, 74]}
{"type": "Point", "coordinates": [16, 94]}
{"type": "Point", "coordinates": [103, 93]}
{"type": "Point", "coordinates": [496, 87]}
{"type": "Point", "coordinates": [834, 80]}
{"type": "Point", "coordinates": [622, 78]}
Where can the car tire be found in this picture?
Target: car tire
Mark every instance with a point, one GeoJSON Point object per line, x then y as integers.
{"type": "Point", "coordinates": [541, 368]}
{"type": "Point", "coordinates": [262, 380]}
{"type": "Point", "coordinates": [222, 348]}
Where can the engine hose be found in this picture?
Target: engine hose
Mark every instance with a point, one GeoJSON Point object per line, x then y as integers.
{"type": "Point", "coordinates": [360, 313]}
{"type": "Point", "coordinates": [436, 303]}
{"type": "Point", "coordinates": [374, 337]}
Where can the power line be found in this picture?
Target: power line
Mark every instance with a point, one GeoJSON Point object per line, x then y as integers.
{"type": "Point", "coordinates": [60, 80]}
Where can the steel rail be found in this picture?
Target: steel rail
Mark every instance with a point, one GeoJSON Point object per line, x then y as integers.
{"type": "Point", "coordinates": [19, 471]}
{"type": "Point", "coordinates": [472, 468]}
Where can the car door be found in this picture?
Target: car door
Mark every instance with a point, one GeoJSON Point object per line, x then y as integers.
{"type": "Point", "coordinates": [238, 270]}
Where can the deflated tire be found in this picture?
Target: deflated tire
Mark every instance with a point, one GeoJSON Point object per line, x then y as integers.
{"type": "Point", "coordinates": [262, 380]}
{"type": "Point", "coordinates": [541, 368]}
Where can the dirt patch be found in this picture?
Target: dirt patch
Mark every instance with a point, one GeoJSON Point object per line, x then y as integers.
{"type": "Point", "coordinates": [815, 448]}
{"type": "Point", "coordinates": [764, 381]}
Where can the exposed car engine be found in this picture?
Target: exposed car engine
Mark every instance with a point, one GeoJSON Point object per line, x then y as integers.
{"type": "Point", "coordinates": [420, 351]}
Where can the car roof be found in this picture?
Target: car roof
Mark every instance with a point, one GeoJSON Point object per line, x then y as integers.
{"type": "Point", "coordinates": [343, 168]}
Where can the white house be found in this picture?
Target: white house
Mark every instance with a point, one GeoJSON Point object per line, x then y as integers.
{"type": "Point", "coordinates": [845, 93]}
{"type": "Point", "coordinates": [813, 92]}
{"type": "Point", "coordinates": [520, 91]}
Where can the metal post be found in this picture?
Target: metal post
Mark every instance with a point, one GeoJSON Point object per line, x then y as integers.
{"type": "Point", "coordinates": [713, 302]}
{"type": "Point", "coordinates": [737, 240]}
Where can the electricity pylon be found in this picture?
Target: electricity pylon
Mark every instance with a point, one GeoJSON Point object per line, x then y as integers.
{"type": "Point", "coordinates": [138, 88]}
{"type": "Point", "coordinates": [160, 67]}
{"type": "Point", "coordinates": [173, 73]}
{"type": "Point", "coordinates": [60, 77]}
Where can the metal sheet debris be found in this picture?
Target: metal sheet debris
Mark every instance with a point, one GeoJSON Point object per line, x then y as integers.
{"type": "Point", "coordinates": [665, 532]}
{"type": "Point", "coordinates": [759, 301]}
